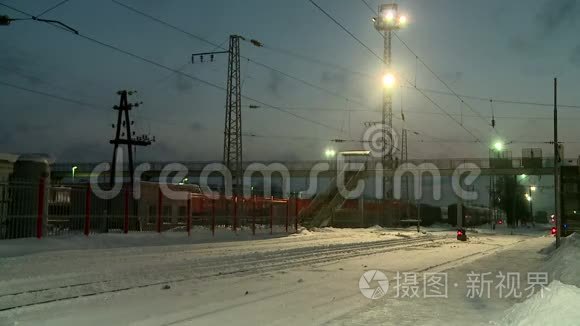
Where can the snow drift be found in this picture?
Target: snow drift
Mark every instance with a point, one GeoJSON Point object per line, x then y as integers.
{"type": "Point", "coordinates": [559, 304]}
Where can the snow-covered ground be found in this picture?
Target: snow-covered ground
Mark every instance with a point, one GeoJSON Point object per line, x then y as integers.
{"type": "Point", "coordinates": [311, 277]}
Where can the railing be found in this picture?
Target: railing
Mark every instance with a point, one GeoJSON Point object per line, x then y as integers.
{"type": "Point", "coordinates": [37, 209]}
{"type": "Point", "coordinates": [483, 163]}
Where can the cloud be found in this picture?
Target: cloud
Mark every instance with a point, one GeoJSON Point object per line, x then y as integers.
{"type": "Point", "coordinates": [275, 83]}
{"type": "Point", "coordinates": [575, 56]}
{"type": "Point", "coordinates": [335, 78]}
{"type": "Point", "coordinates": [553, 16]}
{"type": "Point", "coordinates": [556, 13]}
{"type": "Point", "coordinates": [183, 84]}
{"type": "Point", "coordinates": [197, 126]}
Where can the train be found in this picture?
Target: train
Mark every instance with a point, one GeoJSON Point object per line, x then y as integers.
{"type": "Point", "coordinates": [472, 215]}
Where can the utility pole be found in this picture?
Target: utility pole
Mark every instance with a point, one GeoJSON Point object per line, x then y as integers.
{"type": "Point", "coordinates": [124, 135]}
{"type": "Point", "coordinates": [404, 159]}
{"type": "Point", "coordinates": [232, 155]}
{"type": "Point", "coordinates": [557, 186]}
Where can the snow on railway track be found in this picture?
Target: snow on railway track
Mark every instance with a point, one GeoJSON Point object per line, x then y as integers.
{"type": "Point", "coordinates": [197, 269]}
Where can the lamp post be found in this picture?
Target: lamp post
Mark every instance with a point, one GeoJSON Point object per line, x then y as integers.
{"type": "Point", "coordinates": [73, 170]}
{"type": "Point", "coordinates": [531, 189]}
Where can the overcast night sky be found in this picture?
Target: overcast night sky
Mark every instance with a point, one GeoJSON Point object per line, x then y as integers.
{"type": "Point", "coordinates": [502, 49]}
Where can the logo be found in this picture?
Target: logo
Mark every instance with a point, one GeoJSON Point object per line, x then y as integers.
{"type": "Point", "coordinates": [374, 278]}
{"type": "Point", "coordinates": [380, 140]}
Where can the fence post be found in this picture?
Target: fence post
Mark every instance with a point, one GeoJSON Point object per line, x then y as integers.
{"type": "Point", "coordinates": [287, 214]}
{"type": "Point", "coordinates": [189, 214]}
{"type": "Point", "coordinates": [297, 213]}
{"type": "Point", "coordinates": [271, 215]}
{"type": "Point", "coordinates": [88, 210]}
{"type": "Point", "coordinates": [253, 215]}
{"type": "Point", "coordinates": [40, 216]}
{"type": "Point", "coordinates": [213, 217]}
{"type": "Point", "coordinates": [126, 217]}
{"type": "Point", "coordinates": [235, 199]}
{"type": "Point", "coordinates": [159, 210]}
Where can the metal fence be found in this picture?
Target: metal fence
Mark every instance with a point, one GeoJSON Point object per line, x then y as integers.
{"type": "Point", "coordinates": [38, 209]}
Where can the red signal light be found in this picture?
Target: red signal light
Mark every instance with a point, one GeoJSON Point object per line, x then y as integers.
{"type": "Point", "coordinates": [500, 222]}
{"type": "Point", "coordinates": [554, 231]}
{"type": "Point", "coordinates": [459, 233]}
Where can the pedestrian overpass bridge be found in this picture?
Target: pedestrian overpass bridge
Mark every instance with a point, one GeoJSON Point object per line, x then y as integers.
{"type": "Point", "coordinates": [373, 166]}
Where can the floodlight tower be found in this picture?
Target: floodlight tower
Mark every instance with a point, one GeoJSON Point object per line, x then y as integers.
{"type": "Point", "coordinates": [388, 21]}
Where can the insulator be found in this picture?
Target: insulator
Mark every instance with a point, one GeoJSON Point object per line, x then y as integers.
{"type": "Point", "coordinates": [211, 57]}
{"type": "Point", "coordinates": [201, 58]}
{"type": "Point", "coordinates": [113, 126]}
{"type": "Point", "coordinates": [123, 123]}
{"type": "Point", "coordinates": [132, 123]}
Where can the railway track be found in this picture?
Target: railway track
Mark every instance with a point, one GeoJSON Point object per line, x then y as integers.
{"type": "Point", "coordinates": [200, 269]}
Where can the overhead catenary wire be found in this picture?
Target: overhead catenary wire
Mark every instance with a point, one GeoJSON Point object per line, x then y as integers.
{"type": "Point", "coordinates": [202, 81]}
{"type": "Point", "coordinates": [49, 9]}
{"type": "Point", "coordinates": [381, 59]}
{"type": "Point", "coordinates": [417, 58]}
{"type": "Point", "coordinates": [251, 60]}
{"type": "Point", "coordinates": [482, 98]}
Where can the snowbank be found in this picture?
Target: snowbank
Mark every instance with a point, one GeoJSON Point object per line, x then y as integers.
{"type": "Point", "coordinates": [558, 306]}
{"type": "Point", "coordinates": [564, 263]}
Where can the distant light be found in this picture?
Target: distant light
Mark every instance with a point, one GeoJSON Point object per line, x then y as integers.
{"type": "Point", "coordinates": [330, 153]}
{"type": "Point", "coordinates": [533, 188]}
{"type": "Point", "coordinates": [498, 146]}
{"type": "Point", "coordinates": [528, 197]}
{"type": "Point", "coordinates": [554, 230]}
{"type": "Point", "coordinates": [389, 80]}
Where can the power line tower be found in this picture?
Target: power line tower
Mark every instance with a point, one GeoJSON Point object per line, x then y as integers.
{"type": "Point", "coordinates": [233, 121]}
{"type": "Point", "coordinates": [124, 135]}
{"type": "Point", "coordinates": [232, 158]}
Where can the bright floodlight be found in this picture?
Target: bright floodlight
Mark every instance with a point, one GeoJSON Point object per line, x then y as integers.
{"type": "Point", "coordinates": [498, 146]}
{"type": "Point", "coordinates": [329, 153]}
{"type": "Point", "coordinates": [389, 80]}
{"type": "Point", "coordinates": [533, 188]}
{"type": "Point", "coordinates": [390, 15]}
{"type": "Point", "coordinates": [528, 197]}
{"type": "Point", "coordinates": [402, 20]}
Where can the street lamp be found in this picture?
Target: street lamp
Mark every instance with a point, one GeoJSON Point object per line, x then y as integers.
{"type": "Point", "coordinates": [74, 169]}
{"type": "Point", "coordinates": [329, 153]}
{"type": "Point", "coordinates": [498, 146]}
